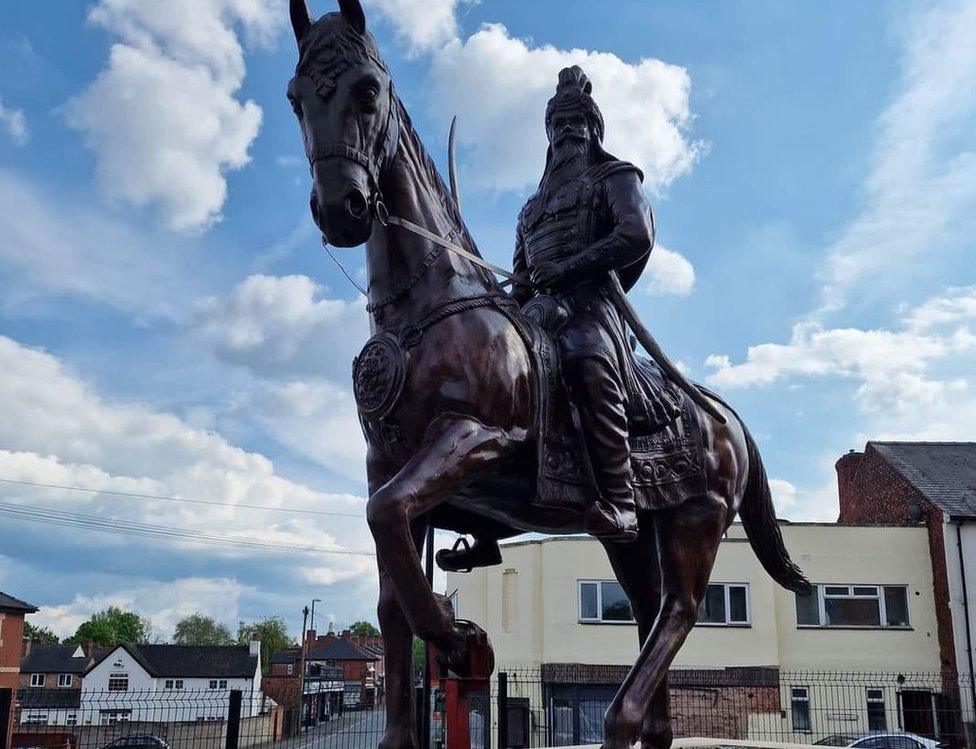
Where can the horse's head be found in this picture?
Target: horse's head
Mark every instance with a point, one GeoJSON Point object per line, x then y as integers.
{"type": "Point", "coordinates": [343, 97]}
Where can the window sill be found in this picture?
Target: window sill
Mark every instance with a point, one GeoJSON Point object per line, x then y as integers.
{"type": "Point", "coordinates": [855, 627]}
{"type": "Point", "coordinates": [601, 621]}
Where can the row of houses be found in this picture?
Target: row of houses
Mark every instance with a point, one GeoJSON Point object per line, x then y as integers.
{"type": "Point", "coordinates": [65, 685]}
{"type": "Point", "coordinates": [884, 643]}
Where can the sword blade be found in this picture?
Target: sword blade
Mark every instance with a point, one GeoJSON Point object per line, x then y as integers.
{"type": "Point", "coordinates": [656, 352]}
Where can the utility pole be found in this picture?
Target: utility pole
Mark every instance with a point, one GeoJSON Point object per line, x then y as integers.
{"type": "Point", "coordinates": [301, 698]}
{"type": "Point", "coordinates": [425, 707]}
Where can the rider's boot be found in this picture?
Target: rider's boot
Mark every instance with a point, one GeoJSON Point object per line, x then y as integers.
{"type": "Point", "coordinates": [484, 552]}
{"type": "Point", "coordinates": [599, 398]}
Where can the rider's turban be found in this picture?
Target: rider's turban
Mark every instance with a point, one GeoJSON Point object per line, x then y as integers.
{"type": "Point", "coordinates": [573, 95]}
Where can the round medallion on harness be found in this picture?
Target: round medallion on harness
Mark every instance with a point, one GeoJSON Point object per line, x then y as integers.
{"type": "Point", "coordinates": [377, 375]}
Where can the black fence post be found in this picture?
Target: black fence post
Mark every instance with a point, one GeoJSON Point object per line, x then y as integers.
{"type": "Point", "coordinates": [234, 719]}
{"type": "Point", "coordinates": [6, 715]}
{"type": "Point", "coordinates": [502, 710]}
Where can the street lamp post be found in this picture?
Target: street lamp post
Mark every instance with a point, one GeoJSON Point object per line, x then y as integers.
{"type": "Point", "coordinates": [314, 601]}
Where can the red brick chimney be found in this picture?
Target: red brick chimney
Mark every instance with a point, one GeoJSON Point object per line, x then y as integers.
{"type": "Point", "coordinates": [310, 637]}
{"type": "Point", "coordinates": [847, 467]}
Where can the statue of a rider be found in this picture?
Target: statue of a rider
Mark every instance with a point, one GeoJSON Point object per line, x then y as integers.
{"type": "Point", "coordinates": [588, 217]}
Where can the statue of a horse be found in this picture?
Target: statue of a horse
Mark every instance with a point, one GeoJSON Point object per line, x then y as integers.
{"type": "Point", "coordinates": [448, 393]}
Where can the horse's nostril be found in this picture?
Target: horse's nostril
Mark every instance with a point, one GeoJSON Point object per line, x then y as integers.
{"type": "Point", "coordinates": [356, 204]}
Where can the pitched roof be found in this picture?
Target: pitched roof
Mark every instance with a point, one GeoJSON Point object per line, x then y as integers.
{"type": "Point", "coordinates": [340, 650]}
{"type": "Point", "coordinates": [15, 605]}
{"type": "Point", "coordinates": [192, 661]}
{"type": "Point", "coordinates": [53, 659]}
{"type": "Point", "coordinates": [287, 656]}
{"type": "Point", "coordinates": [945, 472]}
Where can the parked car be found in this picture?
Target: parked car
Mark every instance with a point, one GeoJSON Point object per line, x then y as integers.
{"type": "Point", "coordinates": [138, 741]}
{"type": "Point", "coordinates": [880, 740]}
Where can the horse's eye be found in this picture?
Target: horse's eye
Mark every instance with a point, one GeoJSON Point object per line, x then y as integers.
{"type": "Point", "coordinates": [369, 93]}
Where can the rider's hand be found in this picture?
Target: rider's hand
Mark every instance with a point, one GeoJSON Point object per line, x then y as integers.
{"type": "Point", "coordinates": [548, 274]}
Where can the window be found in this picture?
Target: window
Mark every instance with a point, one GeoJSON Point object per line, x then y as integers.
{"type": "Point", "coordinates": [213, 683]}
{"type": "Point", "coordinates": [113, 717]}
{"type": "Point", "coordinates": [873, 606]}
{"type": "Point", "coordinates": [725, 604]}
{"type": "Point", "coordinates": [118, 683]}
{"type": "Point", "coordinates": [800, 708]}
{"type": "Point", "coordinates": [37, 680]}
{"type": "Point", "coordinates": [34, 719]}
{"type": "Point", "coordinates": [64, 680]}
{"type": "Point", "coordinates": [217, 684]}
{"type": "Point", "coordinates": [176, 684]}
{"type": "Point", "coordinates": [71, 719]}
{"type": "Point", "coordinates": [223, 683]}
{"type": "Point", "coordinates": [877, 721]}
{"type": "Point", "coordinates": [603, 601]}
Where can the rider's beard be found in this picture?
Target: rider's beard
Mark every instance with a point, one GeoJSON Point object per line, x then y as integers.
{"type": "Point", "coordinates": [567, 152]}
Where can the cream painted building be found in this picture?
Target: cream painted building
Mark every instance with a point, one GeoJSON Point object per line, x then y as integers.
{"type": "Point", "coordinates": [790, 668]}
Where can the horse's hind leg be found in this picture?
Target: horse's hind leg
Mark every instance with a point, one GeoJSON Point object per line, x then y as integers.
{"type": "Point", "coordinates": [400, 733]}
{"type": "Point", "coordinates": [639, 574]}
{"type": "Point", "coordinates": [688, 538]}
{"type": "Point", "coordinates": [454, 451]}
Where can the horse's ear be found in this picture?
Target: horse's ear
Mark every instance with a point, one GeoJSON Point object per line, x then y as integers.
{"type": "Point", "coordinates": [301, 19]}
{"type": "Point", "coordinates": [352, 11]}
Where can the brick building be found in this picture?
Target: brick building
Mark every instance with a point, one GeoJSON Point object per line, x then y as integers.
{"type": "Point", "coordinates": [929, 484]}
{"type": "Point", "coordinates": [12, 613]}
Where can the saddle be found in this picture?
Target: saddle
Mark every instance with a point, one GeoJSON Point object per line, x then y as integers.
{"type": "Point", "coordinates": [668, 462]}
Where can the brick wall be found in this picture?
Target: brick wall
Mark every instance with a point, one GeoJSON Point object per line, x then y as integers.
{"type": "Point", "coordinates": [873, 492]}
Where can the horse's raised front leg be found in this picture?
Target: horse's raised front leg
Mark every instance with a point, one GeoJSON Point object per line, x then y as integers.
{"type": "Point", "coordinates": [688, 538]}
{"type": "Point", "coordinates": [455, 450]}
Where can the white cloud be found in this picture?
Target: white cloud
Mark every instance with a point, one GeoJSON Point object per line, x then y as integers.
{"type": "Point", "coordinates": [282, 326]}
{"type": "Point", "coordinates": [420, 24]}
{"type": "Point", "coordinates": [670, 273]}
{"type": "Point", "coordinates": [163, 603]}
{"type": "Point", "coordinates": [921, 188]}
{"type": "Point", "coordinates": [162, 116]}
{"type": "Point", "coordinates": [14, 122]}
{"type": "Point", "coordinates": [784, 496]}
{"type": "Point", "coordinates": [55, 244]}
{"type": "Point", "coordinates": [57, 430]}
{"type": "Point", "coordinates": [957, 305]}
{"type": "Point", "coordinates": [499, 85]}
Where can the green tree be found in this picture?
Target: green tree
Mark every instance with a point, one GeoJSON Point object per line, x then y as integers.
{"type": "Point", "coordinates": [201, 630]}
{"type": "Point", "coordinates": [273, 634]}
{"type": "Point", "coordinates": [112, 627]}
{"type": "Point", "coordinates": [39, 635]}
{"type": "Point", "coordinates": [363, 629]}
{"type": "Point", "coordinates": [418, 655]}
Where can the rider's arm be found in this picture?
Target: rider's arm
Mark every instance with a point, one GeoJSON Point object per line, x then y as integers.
{"type": "Point", "coordinates": [632, 236]}
{"type": "Point", "coordinates": [520, 267]}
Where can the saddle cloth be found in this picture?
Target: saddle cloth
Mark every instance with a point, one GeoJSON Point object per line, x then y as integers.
{"type": "Point", "coordinates": [667, 464]}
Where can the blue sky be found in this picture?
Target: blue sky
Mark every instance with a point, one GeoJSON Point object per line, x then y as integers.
{"type": "Point", "coordinates": [169, 325]}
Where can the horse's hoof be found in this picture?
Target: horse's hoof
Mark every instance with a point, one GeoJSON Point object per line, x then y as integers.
{"type": "Point", "coordinates": [475, 658]}
{"type": "Point", "coordinates": [398, 740]}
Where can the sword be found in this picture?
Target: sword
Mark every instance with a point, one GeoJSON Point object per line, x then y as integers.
{"type": "Point", "coordinates": [643, 335]}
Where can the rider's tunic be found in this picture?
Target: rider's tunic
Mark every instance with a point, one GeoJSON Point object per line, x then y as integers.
{"type": "Point", "coordinates": [591, 224]}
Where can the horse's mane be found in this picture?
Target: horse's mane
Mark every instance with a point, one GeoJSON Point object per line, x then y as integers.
{"type": "Point", "coordinates": [411, 140]}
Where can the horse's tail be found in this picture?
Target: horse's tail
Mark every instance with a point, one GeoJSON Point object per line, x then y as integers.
{"type": "Point", "coordinates": [759, 520]}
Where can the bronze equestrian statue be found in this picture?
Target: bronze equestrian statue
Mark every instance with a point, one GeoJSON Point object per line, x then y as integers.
{"type": "Point", "coordinates": [460, 389]}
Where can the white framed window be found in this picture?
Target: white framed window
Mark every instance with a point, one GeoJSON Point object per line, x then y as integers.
{"type": "Point", "coordinates": [877, 718]}
{"type": "Point", "coordinates": [64, 680]}
{"type": "Point", "coordinates": [800, 708]}
{"type": "Point", "coordinates": [34, 719]}
{"type": "Point", "coordinates": [725, 605]}
{"type": "Point", "coordinates": [173, 684]}
{"type": "Point", "coordinates": [218, 683]}
{"type": "Point", "coordinates": [114, 717]}
{"type": "Point", "coordinates": [604, 601]}
{"type": "Point", "coordinates": [71, 719]}
{"type": "Point", "coordinates": [213, 683]}
{"type": "Point", "coordinates": [223, 684]}
{"type": "Point", "coordinates": [862, 606]}
{"type": "Point", "coordinates": [37, 680]}
{"type": "Point", "coordinates": [118, 682]}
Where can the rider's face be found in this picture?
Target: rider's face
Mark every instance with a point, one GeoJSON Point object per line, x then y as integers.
{"type": "Point", "coordinates": [569, 128]}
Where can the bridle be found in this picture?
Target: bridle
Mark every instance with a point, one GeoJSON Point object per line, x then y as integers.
{"type": "Point", "coordinates": [374, 164]}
